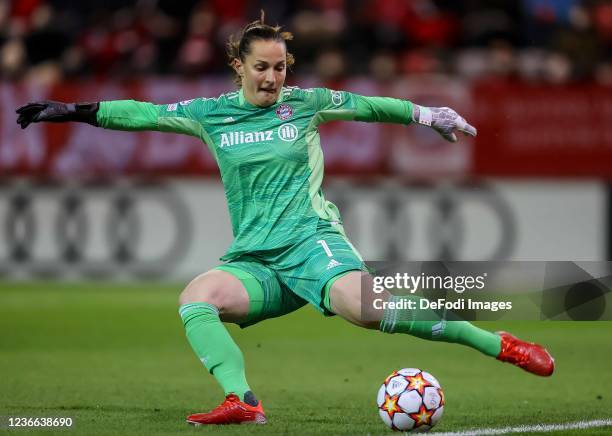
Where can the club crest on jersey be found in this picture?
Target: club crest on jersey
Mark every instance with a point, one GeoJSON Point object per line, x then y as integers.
{"type": "Point", "coordinates": [284, 112]}
{"type": "Point", "coordinates": [336, 97]}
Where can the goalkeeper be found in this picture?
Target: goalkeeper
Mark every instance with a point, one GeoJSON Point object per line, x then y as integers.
{"type": "Point", "coordinates": [289, 246]}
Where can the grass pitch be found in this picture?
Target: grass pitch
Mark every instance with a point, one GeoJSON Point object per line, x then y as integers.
{"type": "Point", "coordinates": [115, 359]}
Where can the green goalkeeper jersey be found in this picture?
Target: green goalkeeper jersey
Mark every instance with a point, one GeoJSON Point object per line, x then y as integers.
{"type": "Point", "coordinates": [270, 158]}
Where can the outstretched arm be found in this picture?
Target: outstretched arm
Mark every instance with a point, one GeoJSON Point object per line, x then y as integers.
{"type": "Point", "coordinates": [443, 120]}
{"type": "Point", "coordinates": [341, 105]}
{"type": "Point", "coordinates": [117, 115]}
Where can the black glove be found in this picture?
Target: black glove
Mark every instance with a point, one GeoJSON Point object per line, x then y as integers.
{"type": "Point", "coordinates": [57, 112]}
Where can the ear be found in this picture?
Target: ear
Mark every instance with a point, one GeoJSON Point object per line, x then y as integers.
{"type": "Point", "coordinates": [238, 67]}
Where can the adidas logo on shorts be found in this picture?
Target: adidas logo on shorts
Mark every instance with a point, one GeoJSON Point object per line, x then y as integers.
{"type": "Point", "coordinates": [333, 263]}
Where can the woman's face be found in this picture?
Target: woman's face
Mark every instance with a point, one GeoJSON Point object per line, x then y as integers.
{"type": "Point", "coordinates": [263, 72]}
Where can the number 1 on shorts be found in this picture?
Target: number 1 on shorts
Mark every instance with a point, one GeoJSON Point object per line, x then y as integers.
{"type": "Point", "coordinates": [325, 247]}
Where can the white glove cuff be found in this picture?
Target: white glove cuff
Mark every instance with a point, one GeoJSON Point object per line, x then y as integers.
{"type": "Point", "coordinates": [424, 116]}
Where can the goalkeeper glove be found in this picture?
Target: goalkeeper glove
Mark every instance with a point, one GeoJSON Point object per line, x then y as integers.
{"type": "Point", "coordinates": [57, 112]}
{"type": "Point", "coordinates": [443, 120]}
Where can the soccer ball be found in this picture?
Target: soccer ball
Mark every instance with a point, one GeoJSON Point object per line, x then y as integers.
{"type": "Point", "coordinates": [410, 400]}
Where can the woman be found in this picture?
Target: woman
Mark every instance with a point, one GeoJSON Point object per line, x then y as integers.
{"type": "Point", "coordinates": [289, 246]}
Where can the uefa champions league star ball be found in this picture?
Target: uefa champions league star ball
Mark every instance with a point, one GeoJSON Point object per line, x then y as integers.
{"type": "Point", "coordinates": [410, 400]}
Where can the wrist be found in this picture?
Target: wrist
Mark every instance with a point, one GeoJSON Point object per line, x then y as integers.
{"type": "Point", "coordinates": [84, 112]}
{"type": "Point", "coordinates": [421, 115]}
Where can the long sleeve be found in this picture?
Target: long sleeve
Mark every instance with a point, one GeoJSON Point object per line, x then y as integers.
{"type": "Point", "coordinates": [128, 115]}
{"type": "Point", "coordinates": [383, 110]}
{"type": "Point", "coordinates": [341, 105]}
{"type": "Point", "coordinates": [186, 117]}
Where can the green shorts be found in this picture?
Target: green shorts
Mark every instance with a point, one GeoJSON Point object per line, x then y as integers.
{"type": "Point", "coordinates": [283, 280]}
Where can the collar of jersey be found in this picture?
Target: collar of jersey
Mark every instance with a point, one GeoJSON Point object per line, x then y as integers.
{"type": "Point", "coordinates": [243, 101]}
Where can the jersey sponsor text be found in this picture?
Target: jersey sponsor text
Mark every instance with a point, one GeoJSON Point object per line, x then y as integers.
{"type": "Point", "coordinates": [236, 138]}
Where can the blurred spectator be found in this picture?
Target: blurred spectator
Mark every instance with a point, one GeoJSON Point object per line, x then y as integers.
{"type": "Point", "coordinates": [533, 40]}
{"type": "Point", "coordinates": [197, 52]}
{"type": "Point", "coordinates": [603, 74]}
{"type": "Point", "coordinates": [12, 58]}
{"type": "Point", "coordinates": [383, 67]}
{"type": "Point", "coordinates": [558, 68]}
{"type": "Point", "coordinates": [330, 67]}
{"type": "Point", "coordinates": [421, 61]}
{"type": "Point", "coordinates": [602, 14]}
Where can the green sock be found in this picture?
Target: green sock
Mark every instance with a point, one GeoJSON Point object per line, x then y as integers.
{"type": "Point", "coordinates": [427, 324]}
{"type": "Point", "coordinates": [214, 346]}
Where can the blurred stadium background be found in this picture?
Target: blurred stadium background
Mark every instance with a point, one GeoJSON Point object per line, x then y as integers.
{"type": "Point", "coordinates": [534, 76]}
{"type": "Point", "coordinates": [107, 210]}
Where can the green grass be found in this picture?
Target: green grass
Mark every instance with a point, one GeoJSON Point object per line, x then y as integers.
{"type": "Point", "coordinates": [114, 358]}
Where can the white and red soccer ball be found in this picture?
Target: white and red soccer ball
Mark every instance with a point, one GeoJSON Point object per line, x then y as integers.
{"type": "Point", "coordinates": [410, 400]}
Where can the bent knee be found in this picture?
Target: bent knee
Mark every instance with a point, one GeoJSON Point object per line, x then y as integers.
{"type": "Point", "coordinates": [219, 289]}
{"type": "Point", "coordinates": [205, 295]}
{"type": "Point", "coordinates": [203, 289]}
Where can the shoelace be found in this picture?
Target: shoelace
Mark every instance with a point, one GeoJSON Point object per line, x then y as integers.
{"type": "Point", "coordinates": [519, 357]}
{"type": "Point", "coordinates": [229, 403]}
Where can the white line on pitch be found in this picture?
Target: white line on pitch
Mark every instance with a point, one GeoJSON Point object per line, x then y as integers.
{"type": "Point", "coordinates": [540, 428]}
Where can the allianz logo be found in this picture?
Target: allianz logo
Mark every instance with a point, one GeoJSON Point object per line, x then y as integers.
{"type": "Point", "coordinates": [287, 132]}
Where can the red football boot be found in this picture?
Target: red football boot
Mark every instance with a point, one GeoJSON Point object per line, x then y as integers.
{"type": "Point", "coordinates": [231, 411]}
{"type": "Point", "coordinates": [531, 357]}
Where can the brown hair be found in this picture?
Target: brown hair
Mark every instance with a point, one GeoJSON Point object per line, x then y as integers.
{"type": "Point", "coordinates": [239, 46]}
